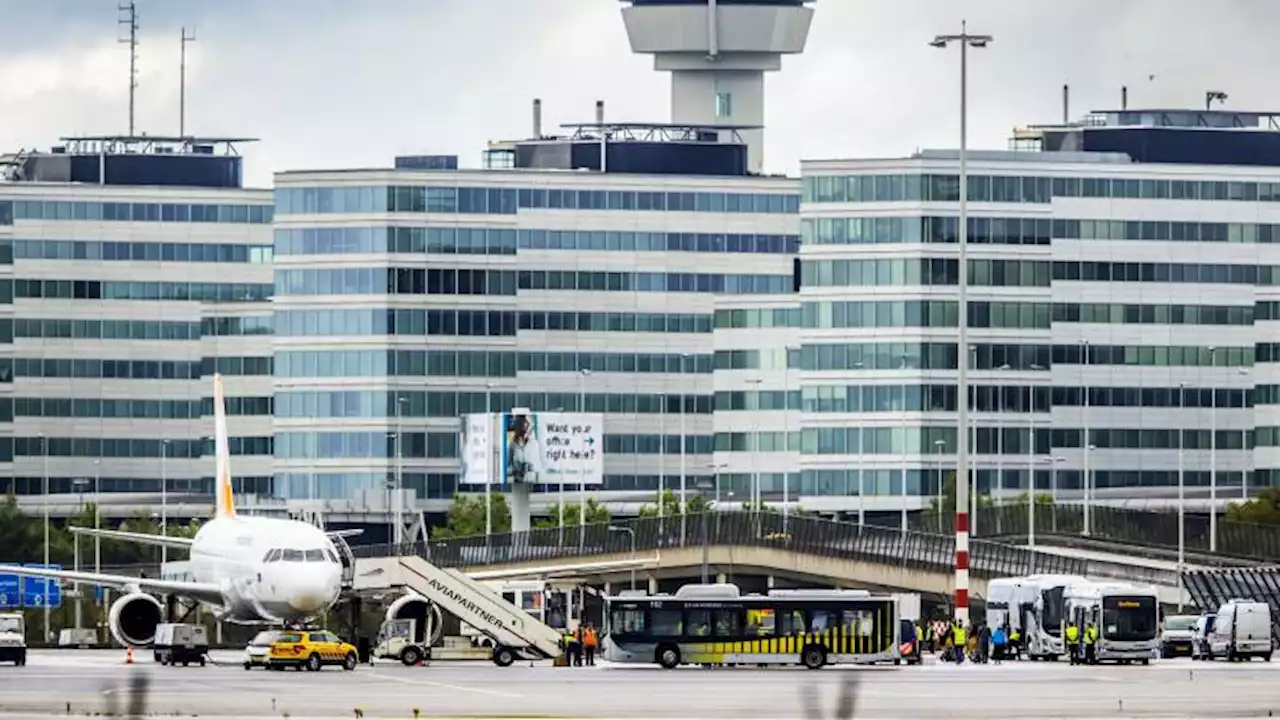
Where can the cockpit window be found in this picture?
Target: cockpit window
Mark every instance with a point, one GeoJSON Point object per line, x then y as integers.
{"type": "Point", "coordinates": [271, 556]}
{"type": "Point", "coordinates": [293, 556]}
{"type": "Point", "coordinates": [332, 558]}
{"type": "Point", "coordinates": [315, 556]}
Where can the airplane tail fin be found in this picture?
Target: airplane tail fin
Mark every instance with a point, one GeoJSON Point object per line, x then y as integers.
{"type": "Point", "coordinates": [223, 503]}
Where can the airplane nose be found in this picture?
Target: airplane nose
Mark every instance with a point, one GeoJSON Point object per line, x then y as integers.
{"type": "Point", "coordinates": [314, 592]}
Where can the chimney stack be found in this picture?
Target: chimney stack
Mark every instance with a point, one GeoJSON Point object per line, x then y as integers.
{"type": "Point", "coordinates": [537, 118]}
{"type": "Point", "coordinates": [1124, 97]}
{"type": "Point", "coordinates": [1066, 104]}
{"type": "Point", "coordinates": [599, 112]}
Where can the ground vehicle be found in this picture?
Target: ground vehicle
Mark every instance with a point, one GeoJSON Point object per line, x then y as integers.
{"type": "Point", "coordinates": [1130, 623]}
{"type": "Point", "coordinates": [1200, 637]}
{"type": "Point", "coordinates": [1242, 631]}
{"type": "Point", "coordinates": [1177, 637]}
{"type": "Point", "coordinates": [405, 640]}
{"type": "Point", "coordinates": [298, 649]}
{"type": "Point", "coordinates": [180, 643]}
{"type": "Point", "coordinates": [13, 639]}
{"type": "Point", "coordinates": [1041, 608]}
{"type": "Point", "coordinates": [717, 625]}
{"type": "Point", "coordinates": [78, 638]}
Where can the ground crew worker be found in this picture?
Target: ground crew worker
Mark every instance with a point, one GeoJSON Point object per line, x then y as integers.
{"type": "Point", "coordinates": [1091, 644]}
{"type": "Point", "coordinates": [589, 642]}
{"type": "Point", "coordinates": [958, 642]}
{"type": "Point", "coordinates": [1015, 639]}
{"type": "Point", "coordinates": [1072, 639]}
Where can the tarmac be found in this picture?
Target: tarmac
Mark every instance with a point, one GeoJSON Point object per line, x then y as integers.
{"type": "Point", "coordinates": [80, 683]}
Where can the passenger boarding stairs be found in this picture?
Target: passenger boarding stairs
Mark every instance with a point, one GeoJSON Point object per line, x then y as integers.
{"type": "Point", "coordinates": [471, 602]}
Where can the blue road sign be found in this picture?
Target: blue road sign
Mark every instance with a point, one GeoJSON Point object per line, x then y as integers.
{"type": "Point", "coordinates": [35, 590]}
{"type": "Point", "coordinates": [10, 591]}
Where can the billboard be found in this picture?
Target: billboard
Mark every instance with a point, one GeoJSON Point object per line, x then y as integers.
{"type": "Point", "coordinates": [477, 448]}
{"type": "Point", "coordinates": [553, 448]}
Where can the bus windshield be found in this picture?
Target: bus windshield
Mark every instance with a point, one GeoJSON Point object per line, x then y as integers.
{"type": "Point", "coordinates": [1127, 617]}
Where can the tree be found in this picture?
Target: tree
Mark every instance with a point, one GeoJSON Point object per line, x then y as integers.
{"type": "Point", "coordinates": [596, 513]}
{"type": "Point", "coordinates": [670, 505]}
{"type": "Point", "coordinates": [1263, 509]}
{"type": "Point", "coordinates": [1041, 499]}
{"type": "Point", "coordinates": [467, 516]}
{"type": "Point", "coordinates": [949, 497]}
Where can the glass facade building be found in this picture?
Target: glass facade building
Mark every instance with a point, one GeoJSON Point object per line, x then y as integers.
{"type": "Point", "coordinates": [406, 298]}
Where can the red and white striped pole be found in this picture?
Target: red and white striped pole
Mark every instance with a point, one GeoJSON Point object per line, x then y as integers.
{"type": "Point", "coordinates": [962, 566]}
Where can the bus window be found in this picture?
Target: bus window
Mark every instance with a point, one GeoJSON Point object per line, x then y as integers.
{"type": "Point", "coordinates": [667, 623]}
{"type": "Point", "coordinates": [699, 623]}
{"type": "Point", "coordinates": [790, 622]}
{"type": "Point", "coordinates": [628, 622]}
{"type": "Point", "coordinates": [760, 623]}
{"type": "Point", "coordinates": [727, 623]}
{"type": "Point", "coordinates": [858, 623]}
{"type": "Point", "coordinates": [823, 620]}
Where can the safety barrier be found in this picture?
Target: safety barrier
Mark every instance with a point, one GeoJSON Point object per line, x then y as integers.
{"type": "Point", "coordinates": [800, 534]}
{"type": "Point", "coordinates": [1148, 528]}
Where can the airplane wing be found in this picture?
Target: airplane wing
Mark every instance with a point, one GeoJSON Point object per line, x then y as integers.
{"type": "Point", "coordinates": [205, 592]}
{"type": "Point", "coordinates": [140, 538]}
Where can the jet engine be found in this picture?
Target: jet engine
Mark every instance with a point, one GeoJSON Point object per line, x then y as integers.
{"type": "Point", "coordinates": [134, 618]}
{"type": "Point", "coordinates": [426, 614]}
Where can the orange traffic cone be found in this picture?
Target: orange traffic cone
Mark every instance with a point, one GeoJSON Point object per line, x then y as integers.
{"type": "Point", "coordinates": [128, 658]}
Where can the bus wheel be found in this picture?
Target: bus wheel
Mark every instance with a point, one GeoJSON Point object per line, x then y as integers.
{"type": "Point", "coordinates": [668, 656]}
{"type": "Point", "coordinates": [814, 657]}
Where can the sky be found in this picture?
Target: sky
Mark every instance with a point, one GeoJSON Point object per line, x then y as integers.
{"type": "Point", "coordinates": [324, 83]}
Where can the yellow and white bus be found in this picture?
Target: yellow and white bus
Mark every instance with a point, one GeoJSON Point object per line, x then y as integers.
{"type": "Point", "coordinates": [717, 625]}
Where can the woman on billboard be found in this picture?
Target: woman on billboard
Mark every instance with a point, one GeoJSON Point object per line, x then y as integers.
{"type": "Point", "coordinates": [524, 457]}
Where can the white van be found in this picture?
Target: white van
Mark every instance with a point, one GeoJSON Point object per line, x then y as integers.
{"type": "Point", "coordinates": [1242, 631]}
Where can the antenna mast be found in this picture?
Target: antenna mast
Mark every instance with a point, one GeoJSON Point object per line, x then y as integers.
{"type": "Point", "coordinates": [128, 15]}
{"type": "Point", "coordinates": [182, 83]}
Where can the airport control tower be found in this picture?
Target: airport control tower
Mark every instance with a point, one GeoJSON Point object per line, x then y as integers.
{"type": "Point", "coordinates": [717, 52]}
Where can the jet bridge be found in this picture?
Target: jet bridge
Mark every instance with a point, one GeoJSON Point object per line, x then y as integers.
{"type": "Point", "coordinates": [515, 633]}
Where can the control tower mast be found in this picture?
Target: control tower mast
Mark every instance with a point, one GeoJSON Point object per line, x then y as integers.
{"type": "Point", "coordinates": [717, 52]}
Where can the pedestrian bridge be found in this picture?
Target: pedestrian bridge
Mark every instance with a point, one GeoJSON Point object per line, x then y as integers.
{"type": "Point", "coordinates": [803, 549]}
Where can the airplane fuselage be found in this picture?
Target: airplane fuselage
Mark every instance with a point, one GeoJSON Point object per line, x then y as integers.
{"type": "Point", "coordinates": [268, 571]}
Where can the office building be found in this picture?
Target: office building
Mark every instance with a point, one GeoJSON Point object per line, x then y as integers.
{"type": "Point", "coordinates": [1121, 283]}
{"type": "Point", "coordinates": [407, 297]}
{"type": "Point", "coordinates": [133, 269]}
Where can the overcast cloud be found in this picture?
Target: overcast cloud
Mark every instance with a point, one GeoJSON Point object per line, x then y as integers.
{"type": "Point", "coordinates": [325, 83]}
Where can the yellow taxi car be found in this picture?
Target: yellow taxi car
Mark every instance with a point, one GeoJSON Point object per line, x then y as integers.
{"type": "Point", "coordinates": [298, 649]}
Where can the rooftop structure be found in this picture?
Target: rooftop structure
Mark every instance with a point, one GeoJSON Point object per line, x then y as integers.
{"type": "Point", "coordinates": [717, 52]}
{"type": "Point", "coordinates": [131, 160]}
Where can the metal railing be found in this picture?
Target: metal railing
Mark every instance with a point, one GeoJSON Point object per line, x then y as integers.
{"type": "Point", "coordinates": [1210, 589]}
{"type": "Point", "coordinates": [804, 535]}
{"type": "Point", "coordinates": [1148, 528]}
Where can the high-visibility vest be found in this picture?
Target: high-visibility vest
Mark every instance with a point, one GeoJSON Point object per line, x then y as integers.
{"type": "Point", "coordinates": [590, 639]}
{"type": "Point", "coordinates": [1073, 634]}
{"type": "Point", "coordinates": [1090, 635]}
{"type": "Point", "coordinates": [958, 634]}
{"type": "Point", "coordinates": [1014, 636]}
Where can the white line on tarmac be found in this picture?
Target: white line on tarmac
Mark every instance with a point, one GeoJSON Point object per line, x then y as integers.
{"type": "Point", "coordinates": [450, 686]}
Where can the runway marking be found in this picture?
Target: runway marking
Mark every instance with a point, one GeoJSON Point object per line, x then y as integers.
{"type": "Point", "coordinates": [451, 686]}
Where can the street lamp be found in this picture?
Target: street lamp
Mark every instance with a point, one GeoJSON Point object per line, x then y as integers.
{"type": "Point", "coordinates": [44, 450]}
{"type": "Point", "coordinates": [684, 498]}
{"type": "Point", "coordinates": [1182, 495]}
{"type": "Point", "coordinates": [1084, 438]}
{"type": "Point", "coordinates": [164, 502]}
{"type": "Point", "coordinates": [1053, 486]}
{"type": "Point", "coordinates": [582, 486]}
{"type": "Point", "coordinates": [966, 41]}
{"type": "Point", "coordinates": [755, 444]}
{"type": "Point", "coordinates": [706, 514]}
{"type": "Point", "coordinates": [940, 445]}
{"type": "Point", "coordinates": [1213, 454]}
{"type": "Point", "coordinates": [903, 421]}
{"type": "Point", "coordinates": [632, 532]}
{"type": "Point", "coordinates": [488, 479]}
{"type": "Point", "coordinates": [79, 484]}
{"type": "Point", "coordinates": [662, 463]}
{"type": "Point", "coordinates": [1244, 442]}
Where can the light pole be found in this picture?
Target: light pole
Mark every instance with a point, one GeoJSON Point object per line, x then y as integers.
{"type": "Point", "coordinates": [44, 450]}
{"type": "Point", "coordinates": [1084, 438]}
{"type": "Point", "coordinates": [97, 525]}
{"type": "Point", "coordinates": [966, 41]}
{"type": "Point", "coordinates": [755, 442]}
{"type": "Point", "coordinates": [662, 463]}
{"type": "Point", "coordinates": [903, 420]}
{"type": "Point", "coordinates": [1182, 495]}
{"type": "Point", "coordinates": [1031, 457]}
{"type": "Point", "coordinates": [79, 484]}
{"type": "Point", "coordinates": [582, 486]}
{"type": "Point", "coordinates": [399, 496]}
{"type": "Point", "coordinates": [488, 478]}
{"type": "Point", "coordinates": [939, 445]}
{"type": "Point", "coordinates": [164, 502]}
{"type": "Point", "coordinates": [997, 497]}
{"type": "Point", "coordinates": [632, 532]}
{"type": "Point", "coordinates": [684, 498]}
{"type": "Point", "coordinates": [1213, 454]}
{"type": "Point", "coordinates": [1053, 487]}
{"type": "Point", "coordinates": [706, 518]}
{"type": "Point", "coordinates": [1244, 441]}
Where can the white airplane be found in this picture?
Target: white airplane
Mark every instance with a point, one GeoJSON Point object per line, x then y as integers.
{"type": "Point", "coordinates": [251, 570]}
